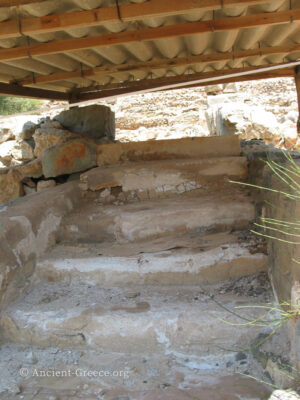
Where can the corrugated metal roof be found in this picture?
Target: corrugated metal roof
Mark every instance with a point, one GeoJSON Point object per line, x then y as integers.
{"type": "Point", "coordinates": [204, 43]}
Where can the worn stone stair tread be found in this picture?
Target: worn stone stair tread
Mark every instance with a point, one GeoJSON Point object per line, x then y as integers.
{"type": "Point", "coordinates": [130, 377]}
{"type": "Point", "coordinates": [164, 174]}
{"type": "Point", "coordinates": [139, 320]}
{"type": "Point", "coordinates": [156, 218]}
{"type": "Point", "coordinates": [174, 260]}
{"type": "Point", "coordinates": [194, 240]}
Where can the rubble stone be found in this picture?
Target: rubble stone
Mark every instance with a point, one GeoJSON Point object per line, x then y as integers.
{"type": "Point", "coordinates": [28, 130]}
{"type": "Point", "coordinates": [42, 185]}
{"type": "Point", "coordinates": [10, 185]}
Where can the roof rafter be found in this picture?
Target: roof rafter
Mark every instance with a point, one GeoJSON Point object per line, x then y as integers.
{"type": "Point", "coordinates": [128, 12]}
{"type": "Point", "coordinates": [148, 34]}
{"type": "Point", "coordinates": [111, 70]}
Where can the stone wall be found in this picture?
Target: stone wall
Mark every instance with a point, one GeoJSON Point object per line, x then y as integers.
{"type": "Point", "coordinates": [46, 149]}
{"type": "Point", "coordinates": [284, 258]}
{"type": "Point", "coordinates": [27, 229]}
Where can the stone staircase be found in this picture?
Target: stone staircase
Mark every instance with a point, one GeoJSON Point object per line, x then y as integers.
{"type": "Point", "coordinates": [131, 301]}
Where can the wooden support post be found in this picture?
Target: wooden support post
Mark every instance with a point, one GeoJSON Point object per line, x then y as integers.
{"type": "Point", "coordinates": [297, 82]}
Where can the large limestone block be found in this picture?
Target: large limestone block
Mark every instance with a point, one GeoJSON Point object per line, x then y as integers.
{"type": "Point", "coordinates": [67, 158]}
{"type": "Point", "coordinates": [96, 121]}
{"type": "Point", "coordinates": [203, 147]}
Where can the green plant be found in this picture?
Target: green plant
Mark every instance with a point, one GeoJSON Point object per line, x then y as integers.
{"type": "Point", "coordinates": [12, 105]}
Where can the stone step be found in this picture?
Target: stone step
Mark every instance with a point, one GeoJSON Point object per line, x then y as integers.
{"type": "Point", "coordinates": [198, 147]}
{"type": "Point", "coordinates": [147, 320]}
{"type": "Point", "coordinates": [182, 260]}
{"type": "Point", "coordinates": [158, 179]}
{"type": "Point", "coordinates": [153, 218]}
{"type": "Point", "coordinates": [53, 373]}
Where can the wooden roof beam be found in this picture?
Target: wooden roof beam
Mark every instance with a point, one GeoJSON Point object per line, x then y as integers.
{"type": "Point", "coordinates": [148, 34]}
{"type": "Point", "coordinates": [128, 12]}
{"type": "Point", "coordinates": [111, 70]}
{"type": "Point", "coordinates": [98, 92]}
{"type": "Point", "coordinates": [20, 91]}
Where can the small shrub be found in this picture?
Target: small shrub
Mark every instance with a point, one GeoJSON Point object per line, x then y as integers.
{"type": "Point", "coordinates": [14, 105]}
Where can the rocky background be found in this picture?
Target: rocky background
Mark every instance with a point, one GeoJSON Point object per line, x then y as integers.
{"type": "Point", "coordinates": [259, 109]}
{"type": "Point", "coordinates": [38, 151]}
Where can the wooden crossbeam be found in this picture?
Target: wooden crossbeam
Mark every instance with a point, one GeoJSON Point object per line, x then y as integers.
{"type": "Point", "coordinates": [20, 91]}
{"type": "Point", "coordinates": [112, 70]}
{"type": "Point", "coordinates": [96, 92]}
{"type": "Point", "coordinates": [128, 12]}
{"type": "Point", "coordinates": [148, 34]}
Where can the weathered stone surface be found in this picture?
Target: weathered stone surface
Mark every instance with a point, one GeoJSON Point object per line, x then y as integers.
{"type": "Point", "coordinates": [161, 320]}
{"type": "Point", "coordinates": [27, 229]}
{"type": "Point", "coordinates": [6, 134]}
{"type": "Point", "coordinates": [42, 185]}
{"type": "Point", "coordinates": [22, 151]}
{"type": "Point", "coordinates": [230, 88]}
{"type": "Point", "coordinates": [205, 147]}
{"type": "Point", "coordinates": [95, 121]}
{"type": "Point", "coordinates": [158, 377]}
{"type": "Point", "coordinates": [28, 130]}
{"type": "Point", "coordinates": [69, 157]}
{"type": "Point", "coordinates": [11, 179]}
{"type": "Point", "coordinates": [185, 266]}
{"type": "Point", "coordinates": [16, 124]}
{"type": "Point", "coordinates": [284, 395]}
{"type": "Point", "coordinates": [32, 169]}
{"type": "Point", "coordinates": [238, 118]}
{"type": "Point", "coordinates": [164, 178]}
{"type": "Point", "coordinates": [10, 185]}
{"type": "Point", "coordinates": [213, 89]}
{"type": "Point", "coordinates": [13, 152]}
{"type": "Point", "coordinates": [6, 149]}
{"type": "Point", "coordinates": [29, 189]}
{"type": "Point", "coordinates": [49, 134]}
{"type": "Point", "coordinates": [147, 219]}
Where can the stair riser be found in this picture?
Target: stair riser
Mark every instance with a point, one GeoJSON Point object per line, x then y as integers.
{"type": "Point", "coordinates": [205, 269]}
{"type": "Point", "coordinates": [197, 330]}
{"type": "Point", "coordinates": [155, 223]}
{"type": "Point", "coordinates": [186, 148]}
